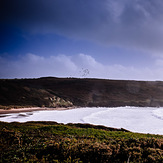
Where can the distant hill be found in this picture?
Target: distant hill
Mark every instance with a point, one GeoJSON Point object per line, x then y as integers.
{"type": "Point", "coordinates": [65, 92]}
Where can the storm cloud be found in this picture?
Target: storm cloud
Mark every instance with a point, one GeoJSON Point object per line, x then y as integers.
{"type": "Point", "coordinates": [124, 23]}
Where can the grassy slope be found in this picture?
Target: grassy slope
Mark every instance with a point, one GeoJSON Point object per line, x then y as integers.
{"type": "Point", "coordinates": [52, 142]}
{"type": "Point", "coordinates": [80, 92]}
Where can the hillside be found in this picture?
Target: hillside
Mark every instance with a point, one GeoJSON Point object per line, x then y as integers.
{"type": "Point", "coordinates": [56, 92]}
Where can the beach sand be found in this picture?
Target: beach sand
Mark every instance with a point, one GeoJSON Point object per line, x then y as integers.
{"type": "Point", "coordinates": [19, 110]}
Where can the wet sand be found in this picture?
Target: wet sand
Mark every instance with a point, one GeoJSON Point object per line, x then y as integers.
{"type": "Point", "coordinates": [19, 110]}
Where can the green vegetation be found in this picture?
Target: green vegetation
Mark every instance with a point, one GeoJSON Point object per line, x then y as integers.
{"type": "Point", "coordinates": [53, 142]}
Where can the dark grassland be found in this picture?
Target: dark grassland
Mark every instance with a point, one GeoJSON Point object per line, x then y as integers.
{"type": "Point", "coordinates": [53, 142]}
{"type": "Point", "coordinates": [65, 92]}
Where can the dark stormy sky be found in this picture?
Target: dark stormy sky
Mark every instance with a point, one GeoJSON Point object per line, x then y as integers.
{"type": "Point", "coordinates": [113, 39]}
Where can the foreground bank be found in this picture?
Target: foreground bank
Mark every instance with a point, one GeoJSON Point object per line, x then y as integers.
{"type": "Point", "coordinates": [52, 142]}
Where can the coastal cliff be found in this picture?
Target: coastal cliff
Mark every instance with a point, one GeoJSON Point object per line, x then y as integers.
{"type": "Point", "coordinates": [67, 92]}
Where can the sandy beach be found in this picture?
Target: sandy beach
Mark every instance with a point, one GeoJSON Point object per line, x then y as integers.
{"type": "Point", "coordinates": [19, 110]}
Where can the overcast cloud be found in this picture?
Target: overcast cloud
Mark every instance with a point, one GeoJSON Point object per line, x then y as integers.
{"type": "Point", "coordinates": [82, 65]}
{"type": "Point", "coordinates": [124, 23]}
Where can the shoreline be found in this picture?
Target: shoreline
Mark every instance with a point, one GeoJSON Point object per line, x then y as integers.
{"type": "Point", "coordinates": [19, 110]}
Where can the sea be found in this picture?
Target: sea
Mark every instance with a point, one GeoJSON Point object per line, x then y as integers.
{"type": "Point", "coordinates": [135, 119]}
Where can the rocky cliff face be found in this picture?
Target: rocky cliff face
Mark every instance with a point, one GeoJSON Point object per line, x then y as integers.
{"type": "Point", "coordinates": [57, 102]}
{"type": "Point", "coordinates": [65, 92]}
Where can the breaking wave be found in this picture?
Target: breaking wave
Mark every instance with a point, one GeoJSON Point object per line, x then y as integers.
{"type": "Point", "coordinates": [136, 119]}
